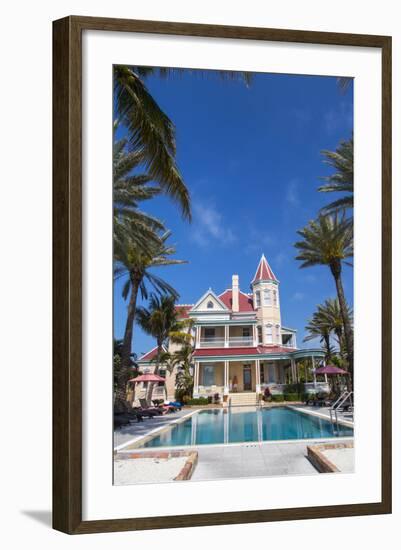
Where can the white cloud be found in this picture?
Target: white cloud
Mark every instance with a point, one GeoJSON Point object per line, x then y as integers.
{"type": "Point", "coordinates": [209, 226]}
{"type": "Point", "coordinates": [310, 278]}
{"type": "Point", "coordinates": [279, 259]}
{"type": "Point", "coordinates": [258, 241]}
{"type": "Point", "coordinates": [291, 194]}
{"type": "Point", "coordinates": [298, 296]}
{"type": "Point", "coordinates": [333, 120]}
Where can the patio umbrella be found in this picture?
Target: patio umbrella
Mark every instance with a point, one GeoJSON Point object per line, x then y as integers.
{"type": "Point", "coordinates": [148, 378]}
{"type": "Point", "coordinates": [330, 369]}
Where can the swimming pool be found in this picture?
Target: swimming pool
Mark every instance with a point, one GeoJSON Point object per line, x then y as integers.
{"type": "Point", "coordinates": [220, 426]}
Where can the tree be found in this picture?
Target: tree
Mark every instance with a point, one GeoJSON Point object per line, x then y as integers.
{"type": "Point", "coordinates": [329, 241]}
{"type": "Point", "coordinates": [137, 266]}
{"type": "Point", "coordinates": [129, 189]}
{"type": "Point", "coordinates": [122, 374]}
{"type": "Point", "coordinates": [342, 181]}
{"type": "Point", "coordinates": [150, 134]}
{"type": "Point", "coordinates": [330, 314]}
{"type": "Point", "coordinates": [317, 328]}
{"type": "Point", "coordinates": [160, 320]}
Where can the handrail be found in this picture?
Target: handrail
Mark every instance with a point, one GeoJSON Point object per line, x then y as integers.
{"type": "Point", "coordinates": [336, 406]}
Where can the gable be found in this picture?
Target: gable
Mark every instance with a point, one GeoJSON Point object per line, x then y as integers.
{"type": "Point", "coordinates": [209, 303]}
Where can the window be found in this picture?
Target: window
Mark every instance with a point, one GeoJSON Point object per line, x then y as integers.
{"type": "Point", "coordinates": [260, 335]}
{"type": "Point", "coordinates": [246, 332]}
{"type": "Point", "coordinates": [269, 334]}
{"type": "Point", "coordinates": [162, 372]}
{"type": "Point", "coordinates": [257, 295]}
{"type": "Point", "coordinates": [210, 305]}
{"type": "Point", "coordinates": [278, 339]}
{"type": "Point", "coordinates": [208, 375]}
{"type": "Point", "coordinates": [275, 297]}
{"type": "Point", "coordinates": [209, 333]}
{"type": "Point", "coordinates": [267, 301]}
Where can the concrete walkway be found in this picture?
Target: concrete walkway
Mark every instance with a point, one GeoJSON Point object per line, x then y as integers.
{"type": "Point", "coordinates": [324, 412]}
{"type": "Point", "coordinates": [139, 429]}
{"type": "Point", "coordinates": [253, 460]}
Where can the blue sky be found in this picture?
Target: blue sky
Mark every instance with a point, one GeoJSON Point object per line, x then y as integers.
{"type": "Point", "coordinates": [251, 157]}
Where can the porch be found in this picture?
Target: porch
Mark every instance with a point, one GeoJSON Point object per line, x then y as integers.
{"type": "Point", "coordinates": [240, 376]}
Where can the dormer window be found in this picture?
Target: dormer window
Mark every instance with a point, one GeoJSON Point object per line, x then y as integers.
{"type": "Point", "coordinates": [210, 305]}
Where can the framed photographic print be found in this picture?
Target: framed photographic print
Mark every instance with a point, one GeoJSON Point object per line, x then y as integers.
{"type": "Point", "coordinates": [222, 275]}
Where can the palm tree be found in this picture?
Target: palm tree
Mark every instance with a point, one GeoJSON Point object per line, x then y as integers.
{"type": "Point", "coordinates": [317, 328]}
{"type": "Point", "coordinates": [342, 160]}
{"type": "Point", "coordinates": [122, 374]}
{"type": "Point", "coordinates": [159, 320]}
{"type": "Point", "coordinates": [329, 241]}
{"type": "Point", "coordinates": [330, 314]}
{"type": "Point", "coordinates": [151, 134]}
{"type": "Point", "coordinates": [128, 190]}
{"type": "Point", "coordinates": [136, 266]}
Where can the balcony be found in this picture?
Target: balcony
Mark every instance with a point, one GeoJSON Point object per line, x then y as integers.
{"type": "Point", "coordinates": [233, 342]}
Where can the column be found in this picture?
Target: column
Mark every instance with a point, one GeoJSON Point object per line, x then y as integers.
{"type": "Point", "coordinates": [196, 379]}
{"type": "Point", "coordinates": [325, 376]}
{"type": "Point", "coordinates": [197, 337]}
{"type": "Point", "coordinates": [257, 375]}
{"type": "Point", "coordinates": [294, 379]}
{"type": "Point", "coordinates": [255, 336]}
{"type": "Point", "coordinates": [226, 336]}
{"type": "Point", "coordinates": [226, 378]}
{"type": "Point", "coordinates": [313, 369]}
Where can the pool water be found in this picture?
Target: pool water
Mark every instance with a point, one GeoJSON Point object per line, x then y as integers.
{"type": "Point", "coordinates": [216, 426]}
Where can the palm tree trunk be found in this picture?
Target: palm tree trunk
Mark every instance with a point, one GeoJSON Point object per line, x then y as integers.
{"type": "Point", "coordinates": [121, 389]}
{"type": "Point", "coordinates": [327, 343]}
{"type": "Point", "coordinates": [336, 271]}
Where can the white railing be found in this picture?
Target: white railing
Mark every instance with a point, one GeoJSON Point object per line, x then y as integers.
{"type": "Point", "coordinates": [211, 343]}
{"type": "Point", "coordinates": [288, 345]}
{"type": "Point", "coordinates": [245, 341]}
{"type": "Point", "coordinates": [233, 342]}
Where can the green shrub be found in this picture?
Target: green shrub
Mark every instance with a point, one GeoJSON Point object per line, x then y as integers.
{"type": "Point", "coordinates": [198, 401]}
{"type": "Point", "coordinates": [278, 397]}
{"type": "Point", "coordinates": [292, 397]}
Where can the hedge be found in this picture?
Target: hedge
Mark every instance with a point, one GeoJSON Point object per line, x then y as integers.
{"type": "Point", "coordinates": [198, 401]}
{"type": "Point", "coordinates": [277, 397]}
{"type": "Point", "coordinates": [292, 397]}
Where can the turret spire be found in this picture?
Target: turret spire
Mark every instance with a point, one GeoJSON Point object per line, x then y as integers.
{"type": "Point", "coordinates": [264, 272]}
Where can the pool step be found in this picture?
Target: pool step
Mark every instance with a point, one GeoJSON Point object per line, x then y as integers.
{"type": "Point", "coordinates": [242, 399]}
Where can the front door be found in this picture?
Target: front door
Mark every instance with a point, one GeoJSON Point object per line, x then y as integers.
{"type": "Point", "coordinates": [247, 378]}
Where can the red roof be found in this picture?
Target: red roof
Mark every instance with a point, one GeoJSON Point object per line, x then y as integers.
{"type": "Point", "coordinates": [149, 355]}
{"type": "Point", "coordinates": [245, 301]}
{"type": "Point", "coordinates": [264, 272]}
{"type": "Point", "coordinates": [183, 310]}
{"type": "Point", "coordinates": [260, 350]}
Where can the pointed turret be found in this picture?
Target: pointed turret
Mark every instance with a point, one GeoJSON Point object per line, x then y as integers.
{"type": "Point", "coordinates": [264, 272]}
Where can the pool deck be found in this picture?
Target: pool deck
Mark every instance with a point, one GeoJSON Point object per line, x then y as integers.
{"type": "Point", "coordinates": [138, 430]}
{"type": "Point", "coordinates": [256, 459]}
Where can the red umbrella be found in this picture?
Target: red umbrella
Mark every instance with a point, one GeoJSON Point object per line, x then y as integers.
{"type": "Point", "coordinates": [330, 369]}
{"type": "Point", "coordinates": [147, 378]}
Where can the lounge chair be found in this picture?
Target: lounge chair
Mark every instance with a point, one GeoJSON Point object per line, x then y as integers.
{"type": "Point", "coordinates": [124, 419]}
{"type": "Point", "coordinates": [146, 408]}
{"type": "Point", "coordinates": [176, 404]}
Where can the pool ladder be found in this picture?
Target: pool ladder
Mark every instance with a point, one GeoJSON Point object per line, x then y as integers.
{"type": "Point", "coordinates": [340, 406]}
